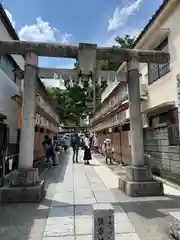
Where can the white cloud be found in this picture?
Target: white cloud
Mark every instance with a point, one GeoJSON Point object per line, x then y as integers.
{"type": "Point", "coordinates": [65, 38]}
{"type": "Point", "coordinates": [9, 15]}
{"type": "Point", "coordinates": [121, 15]}
{"type": "Point", "coordinates": [42, 31]}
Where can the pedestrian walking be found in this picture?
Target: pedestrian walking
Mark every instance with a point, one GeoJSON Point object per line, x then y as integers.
{"type": "Point", "coordinates": [56, 149]}
{"type": "Point", "coordinates": [75, 144]}
{"type": "Point", "coordinates": [87, 151]}
{"type": "Point", "coordinates": [109, 150]}
{"type": "Point", "coordinates": [49, 149]}
{"type": "Point", "coordinates": [66, 143]}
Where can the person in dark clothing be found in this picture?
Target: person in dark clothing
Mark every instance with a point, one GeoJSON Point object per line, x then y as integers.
{"type": "Point", "coordinates": [75, 143]}
{"type": "Point", "coordinates": [49, 148]}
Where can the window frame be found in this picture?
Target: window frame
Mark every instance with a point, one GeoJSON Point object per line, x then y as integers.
{"type": "Point", "coordinates": [159, 67]}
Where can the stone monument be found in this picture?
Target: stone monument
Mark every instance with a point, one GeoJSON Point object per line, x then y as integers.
{"type": "Point", "coordinates": [103, 222]}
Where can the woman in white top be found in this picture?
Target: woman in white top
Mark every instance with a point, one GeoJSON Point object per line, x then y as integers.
{"type": "Point", "coordinates": [87, 151]}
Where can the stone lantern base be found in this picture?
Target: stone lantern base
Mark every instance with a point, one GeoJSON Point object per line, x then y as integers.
{"type": "Point", "coordinates": [24, 186]}
{"type": "Point", "coordinates": [138, 182]}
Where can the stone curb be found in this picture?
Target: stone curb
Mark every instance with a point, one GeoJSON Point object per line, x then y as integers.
{"type": "Point", "coordinates": [169, 183]}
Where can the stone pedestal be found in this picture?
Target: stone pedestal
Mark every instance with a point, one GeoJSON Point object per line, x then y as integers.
{"type": "Point", "coordinates": [23, 186]}
{"type": "Point", "coordinates": [138, 174]}
{"type": "Point", "coordinates": [174, 227]}
{"type": "Point", "coordinates": [103, 222]}
{"type": "Point", "coordinates": [138, 182]}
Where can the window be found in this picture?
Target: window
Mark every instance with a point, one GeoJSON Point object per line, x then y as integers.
{"type": "Point", "coordinates": [36, 129]}
{"type": "Point", "coordinates": [170, 117]}
{"type": "Point", "coordinates": [42, 130]}
{"type": "Point", "coordinates": [126, 127]}
{"type": "Point", "coordinates": [156, 71]}
{"type": "Point", "coordinates": [7, 66]}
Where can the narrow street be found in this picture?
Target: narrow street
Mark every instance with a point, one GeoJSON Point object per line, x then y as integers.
{"type": "Point", "coordinates": [66, 212]}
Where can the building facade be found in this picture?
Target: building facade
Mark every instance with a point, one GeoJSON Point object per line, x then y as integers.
{"type": "Point", "coordinates": [159, 87]}
{"type": "Point", "coordinates": [11, 94]}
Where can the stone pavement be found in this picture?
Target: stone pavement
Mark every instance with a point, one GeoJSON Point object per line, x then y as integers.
{"type": "Point", "coordinates": [66, 213]}
{"type": "Point", "coordinates": [70, 217]}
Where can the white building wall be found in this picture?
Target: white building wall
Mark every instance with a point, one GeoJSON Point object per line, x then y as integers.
{"type": "Point", "coordinates": [4, 35]}
{"type": "Point", "coordinates": [9, 107]}
{"type": "Point", "coordinates": [8, 89]}
{"type": "Point", "coordinates": [164, 89]}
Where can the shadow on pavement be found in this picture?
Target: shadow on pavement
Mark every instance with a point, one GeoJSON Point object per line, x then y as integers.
{"type": "Point", "coordinates": [27, 221]}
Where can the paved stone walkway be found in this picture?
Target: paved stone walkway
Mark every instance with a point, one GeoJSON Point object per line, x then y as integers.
{"type": "Point", "coordinates": [70, 216]}
{"type": "Point", "coordinates": [66, 212]}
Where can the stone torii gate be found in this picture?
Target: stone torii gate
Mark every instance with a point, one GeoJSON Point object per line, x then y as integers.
{"type": "Point", "coordinates": [26, 177]}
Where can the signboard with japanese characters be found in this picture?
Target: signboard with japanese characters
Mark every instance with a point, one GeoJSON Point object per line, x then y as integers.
{"type": "Point", "coordinates": [103, 222]}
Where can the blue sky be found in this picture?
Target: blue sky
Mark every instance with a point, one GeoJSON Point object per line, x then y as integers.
{"type": "Point", "coordinates": [74, 21]}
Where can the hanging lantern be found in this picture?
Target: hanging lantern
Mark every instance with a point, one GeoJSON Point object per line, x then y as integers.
{"type": "Point", "coordinates": [71, 83]}
{"type": "Point", "coordinates": [55, 76]}
{"type": "Point", "coordinates": [90, 83]}
{"type": "Point", "coordinates": [99, 81]}
{"type": "Point", "coordinates": [80, 83]}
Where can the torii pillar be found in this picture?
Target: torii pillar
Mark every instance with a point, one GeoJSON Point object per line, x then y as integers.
{"type": "Point", "coordinates": [138, 181]}
{"type": "Point", "coordinates": [25, 185]}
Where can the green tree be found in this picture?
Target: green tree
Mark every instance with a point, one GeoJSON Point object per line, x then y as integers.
{"type": "Point", "coordinates": [72, 104]}
{"type": "Point", "coordinates": [126, 42]}
{"type": "Point", "coordinates": [121, 42]}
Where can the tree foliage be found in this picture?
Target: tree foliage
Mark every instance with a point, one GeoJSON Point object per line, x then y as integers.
{"type": "Point", "coordinates": [122, 42]}
{"type": "Point", "coordinates": [126, 42]}
{"type": "Point", "coordinates": [72, 104]}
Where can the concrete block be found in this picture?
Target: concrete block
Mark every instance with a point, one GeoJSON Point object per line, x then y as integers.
{"type": "Point", "coordinates": [166, 162]}
{"type": "Point", "coordinates": [174, 156]}
{"type": "Point", "coordinates": [175, 170]}
{"type": "Point", "coordinates": [164, 148]}
{"type": "Point", "coordinates": [174, 226]}
{"type": "Point", "coordinates": [141, 189]}
{"type": "Point", "coordinates": [24, 177]}
{"type": "Point", "coordinates": [23, 194]}
{"type": "Point", "coordinates": [103, 222]}
{"type": "Point", "coordinates": [174, 149]}
{"type": "Point", "coordinates": [165, 155]}
{"type": "Point", "coordinates": [138, 173]}
{"type": "Point", "coordinates": [175, 164]}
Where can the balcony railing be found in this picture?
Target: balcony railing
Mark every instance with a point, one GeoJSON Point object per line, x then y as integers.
{"type": "Point", "coordinates": [112, 103]}
{"type": "Point", "coordinates": [113, 121]}
{"type": "Point", "coordinates": [117, 99]}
